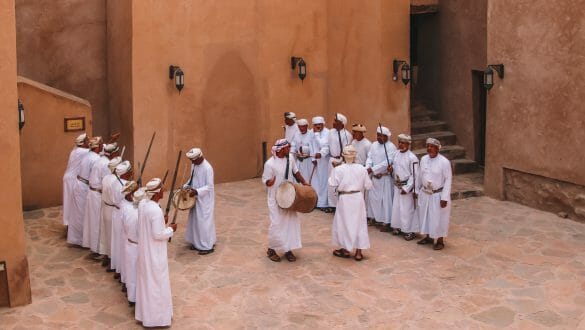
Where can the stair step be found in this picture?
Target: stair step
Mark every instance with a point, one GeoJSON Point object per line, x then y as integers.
{"type": "Point", "coordinates": [446, 138]}
{"type": "Point", "coordinates": [428, 126]}
{"type": "Point", "coordinates": [423, 115]}
{"type": "Point", "coordinates": [463, 165]}
{"type": "Point", "coordinates": [450, 152]}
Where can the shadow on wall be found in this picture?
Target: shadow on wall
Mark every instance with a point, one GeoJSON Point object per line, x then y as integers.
{"type": "Point", "coordinates": [232, 120]}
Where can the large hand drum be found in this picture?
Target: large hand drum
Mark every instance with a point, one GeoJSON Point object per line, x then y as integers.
{"type": "Point", "coordinates": [296, 197]}
{"type": "Point", "coordinates": [182, 200]}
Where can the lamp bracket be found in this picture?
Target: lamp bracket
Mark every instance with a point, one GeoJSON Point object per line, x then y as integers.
{"type": "Point", "coordinates": [172, 69]}
{"type": "Point", "coordinates": [499, 69]}
{"type": "Point", "coordinates": [395, 65]}
{"type": "Point", "coordinates": [293, 61]}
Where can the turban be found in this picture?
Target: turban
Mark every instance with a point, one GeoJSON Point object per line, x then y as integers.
{"type": "Point", "coordinates": [434, 142]}
{"type": "Point", "coordinates": [404, 138]}
{"type": "Point", "coordinates": [279, 145]}
{"type": "Point", "coordinates": [80, 139]}
{"type": "Point", "coordinates": [139, 195]}
{"type": "Point", "coordinates": [302, 122]}
{"type": "Point", "coordinates": [318, 120]}
{"type": "Point", "coordinates": [153, 186]}
{"type": "Point", "coordinates": [349, 154]}
{"type": "Point", "coordinates": [358, 128]}
{"type": "Point", "coordinates": [194, 153]}
{"type": "Point", "coordinates": [95, 142]}
{"type": "Point", "coordinates": [114, 162]}
{"type": "Point", "coordinates": [341, 118]}
{"type": "Point", "coordinates": [290, 115]}
{"type": "Point", "coordinates": [111, 148]}
{"type": "Point", "coordinates": [123, 168]}
{"type": "Point", "coordinates": [129, 187]}
{"type": "Point", "coordinates": [384, 131]}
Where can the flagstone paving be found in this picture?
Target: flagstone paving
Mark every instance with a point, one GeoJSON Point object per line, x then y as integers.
{"type": "Point", "coordinates": [504, 265]}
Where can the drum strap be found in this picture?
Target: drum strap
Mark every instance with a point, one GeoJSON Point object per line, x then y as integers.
{"type": "Point", "coordinates": [191, 178]}
{"type": "Point", "coordinates": [286, 171]}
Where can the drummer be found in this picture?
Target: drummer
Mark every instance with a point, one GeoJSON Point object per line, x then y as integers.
{"type": "Point", "coordinates": [284, 233]}
{"type": "Point", "coordinates": [200, 231]}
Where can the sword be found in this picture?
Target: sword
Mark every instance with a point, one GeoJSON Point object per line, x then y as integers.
{"type": "Point", "coordinates": [414, 184]}
{"type": "Point", "coordinates": [384, 144]}
{"type": "Point", "coordinates": [139, 181]}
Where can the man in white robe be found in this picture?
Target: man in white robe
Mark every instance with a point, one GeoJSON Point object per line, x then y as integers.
{"type": "Point", "coordinates": [70, 177]}
{"type": "Point", "coordinates": [290, 126]}
{"type": "Point", "coordinates": [360, 143]}
{"type": "Point", "coordinates": [405, 167]}
{"type": "Point", "coordinates": [107, 191]}
{"type": "Point", "coordinates": [303, 147]}
{"type": "Point", "coordinates": [434, 195]}
{"type": "Point", "coordinates": [154, 303]}
{"type": "Point", "coordinates": [129, 210]}
{"type": "Point", "coordinates": [200, 231]}
{"type": "Point", "coordinates": [339, 137]}
{"type": "Point", "coordinates": [284, 233]}
{"type": "Point", "coordinates": [350, 229]}
{"type": "Point", "coordinates": [75, 229]}
{"type": "Point", "coordinates": [124, 173]}
{"type": "Point", "coordinates": [379, 205]}
{"type": "Point", "coordinates": [321, 159]}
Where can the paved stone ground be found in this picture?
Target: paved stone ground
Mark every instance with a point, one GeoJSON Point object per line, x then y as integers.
{"type": "Point", "coordinates": [504, 265]}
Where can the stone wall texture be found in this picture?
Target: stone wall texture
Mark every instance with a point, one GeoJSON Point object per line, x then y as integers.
{"type": "Point", "coordinates": [535, 114]}
{"type": "Point", "coordinates": [62, 44]}
{"type": "Point", "coordinates": [44, 144]}
{"type": "Point", "coordinates": [12, 244]}
{"type": "Point", "coordinates": [545, 193]}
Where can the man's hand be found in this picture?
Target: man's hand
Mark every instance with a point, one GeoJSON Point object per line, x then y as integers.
{"type": "Point", "coordinates": [166, 218]}
{"type": "Point", "coordinates": [174, 226]}
{"type": "Point", "coordinates": [314, 162]}
{"type": "Point", "coordinates": [192, 192]}
{"type": "Point", "coordinates": [318, 155]}
{"type": "Point", "coordinates": [402, 192]}
{"type": "Point", "coordinates": [414, 195]}
{"type": "Point", "coordinates": [390, 169]}
{"type": "Point", "coordinates": [369, 170]}
{"type": "Point", "coordinates": [443, 204]}
{"type": "Point", "coordinates": [270, 182]}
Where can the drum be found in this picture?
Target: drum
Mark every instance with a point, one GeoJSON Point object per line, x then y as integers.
{"type": "Point", "coordinates": [182, 200]}
{"type": "Point", "coordinates": [296, 197]}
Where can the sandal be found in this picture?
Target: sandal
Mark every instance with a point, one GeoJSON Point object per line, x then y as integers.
{"type": "Point", "coordinates": [438, 246]}
{"type": "Point", "coordinates": [410, 236]}
{"type": "Point", "coordinates": [396, 232]}
{"type": "Point", "coordinates": [425, 240]}
{"type": "Point", "coordinates": [359, 257]}
{"type": "Point", "coordinates": [272, 255]}
{"type": "Point", "coordinates": [342, 253]}
{"type": "Point", "coordinates": [290, 256]}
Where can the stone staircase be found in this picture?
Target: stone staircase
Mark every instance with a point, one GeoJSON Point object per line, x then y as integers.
{"type": "Point", "coordinates": [425, 124]}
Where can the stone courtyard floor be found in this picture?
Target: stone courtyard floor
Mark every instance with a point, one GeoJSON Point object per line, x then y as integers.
{"type": "Point", "coordinates": [504, 265]}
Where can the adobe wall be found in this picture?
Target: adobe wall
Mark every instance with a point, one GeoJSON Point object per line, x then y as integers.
{"type": "Point", "coordinates": [12, 244]}
{"type": "Point", "coordinates": [535, 114]}
{"type": "Point", "coordinates": [63, 44]}
{"type": "Point", "coordinates": [238, 80]}
{"type": "Point", "coordinates": [44, 144]}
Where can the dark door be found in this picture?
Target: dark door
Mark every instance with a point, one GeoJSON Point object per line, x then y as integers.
{"type": "Point", "coordinates": [479, 116]}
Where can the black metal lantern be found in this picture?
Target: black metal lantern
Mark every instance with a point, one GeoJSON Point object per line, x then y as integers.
{"type": "Point", "coordinates": [300, 62]}
{"type": "Point", "coordinates": [405, 71]}
{"type": "Point", "coordinates": [488, 75]}
{"type": "Point", "coordinates": [20, 114]}
{"type": "Point", "coordinates": [176, 73]}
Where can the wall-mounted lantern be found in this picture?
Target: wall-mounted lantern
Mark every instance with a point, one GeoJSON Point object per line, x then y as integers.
{"type": "Point", "coordinates": [405, 71]}
{"type": "Point", "coordinates": [176, 73]}
{"type": "Point", "coordinates": [300, 62]}
{"type": "Point", "coordinates": [20, 114]}
{"type": "Point", "coordinates": [488, 75]}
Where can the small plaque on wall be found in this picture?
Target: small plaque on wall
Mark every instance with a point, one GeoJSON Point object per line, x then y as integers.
{"type": "Point", "coordinates": [74, 124]}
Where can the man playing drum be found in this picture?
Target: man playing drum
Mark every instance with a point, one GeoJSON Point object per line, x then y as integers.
{"type": "Point", "coordinates": [200, 230]}
{"type": "Point", "coordinates": [284, 233]}
{"type": "Point", "coordinates": [350, 229]}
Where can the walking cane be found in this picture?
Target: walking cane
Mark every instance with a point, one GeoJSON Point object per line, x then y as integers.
{"type": "Point", "coordinates": [312, 172]}
{"type": "Point", "coordinates": [414, 184]}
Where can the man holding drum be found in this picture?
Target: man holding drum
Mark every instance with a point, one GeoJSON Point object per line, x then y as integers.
{"type": "Point", "coordinates": [200, 230]}
{"type": "Point", "coordinates": [284, 233]}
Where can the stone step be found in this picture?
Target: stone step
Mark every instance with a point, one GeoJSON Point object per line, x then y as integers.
{"type": "Point", "coordinates": [428, 126]}
{"type": "Point", "coordinates": [419, 141]}
{"type": "Point", "coordinates": [423, 115]}
{"type": "Point", "coordinates": [451, 152]}
{"type": "Point", "coordinates": [461, 166]}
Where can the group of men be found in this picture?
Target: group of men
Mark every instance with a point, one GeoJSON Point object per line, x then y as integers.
{"type": "Point", "coordinates": [362, 182]}
{"type": "Point", "coordinates": [123, 225]}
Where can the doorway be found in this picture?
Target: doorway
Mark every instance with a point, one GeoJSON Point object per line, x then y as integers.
{"type": "Point", "coordinates": [479, 95]}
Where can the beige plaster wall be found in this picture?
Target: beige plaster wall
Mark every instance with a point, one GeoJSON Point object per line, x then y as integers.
{"type": "Point", "coordinates": [535, 114]}
{"type": "Point", "coordinates": [363, 40]}
{"type": "Point", "coordinates": [63, 44]}
{"type": "Point", "coordinates": [119, 71]}
{"type": "Point", "coordinates": [238, 80]}
{"type": "Point", "coordinates": [44, 145]}
{"type": "Point", "coordinates": [12, 244]}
